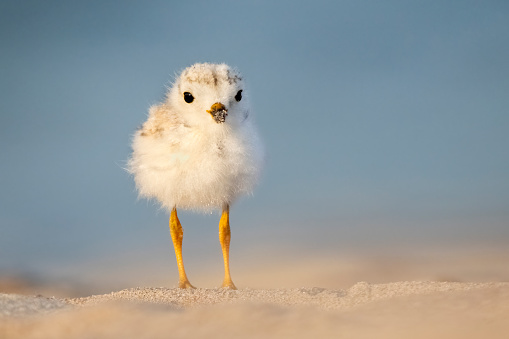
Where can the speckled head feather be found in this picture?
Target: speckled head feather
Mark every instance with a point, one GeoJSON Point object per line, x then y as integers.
{"type": "Point", "coordinates": [210, 74]}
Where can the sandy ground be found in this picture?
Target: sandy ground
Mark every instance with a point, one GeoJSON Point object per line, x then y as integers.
{"type": "Point", "coordinates": [393, 310]}
{"type": "Point", "coordinates": [429, 294]}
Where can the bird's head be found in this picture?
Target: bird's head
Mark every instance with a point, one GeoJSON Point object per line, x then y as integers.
{"type": "Point", "coordinates": [209, 94]}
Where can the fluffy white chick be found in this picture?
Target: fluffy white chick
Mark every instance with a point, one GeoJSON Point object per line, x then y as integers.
{"type": "Point", "coordinates": [199, 150]}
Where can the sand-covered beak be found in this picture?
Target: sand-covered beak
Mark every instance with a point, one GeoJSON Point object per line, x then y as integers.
{"type": "Point", "coordinates": [218, 112]}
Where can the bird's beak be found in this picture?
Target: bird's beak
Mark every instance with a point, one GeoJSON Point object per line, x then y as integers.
{"type": "Point", "coordinates": [218, 112]}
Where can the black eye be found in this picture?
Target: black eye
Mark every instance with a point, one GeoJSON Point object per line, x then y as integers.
{"type": "Point", "coordinates": [188, 97]}
{"type": "Point", "coordinates": [238, 97]}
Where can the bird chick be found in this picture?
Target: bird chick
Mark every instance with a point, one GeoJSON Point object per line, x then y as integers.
{"type": "Point", "coordinates": [199, 150]}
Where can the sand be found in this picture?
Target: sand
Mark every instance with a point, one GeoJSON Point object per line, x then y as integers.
{"type": "Point", "coordinates": [411, 294]}
{"type": "Point", "coordinates": [390, 310]}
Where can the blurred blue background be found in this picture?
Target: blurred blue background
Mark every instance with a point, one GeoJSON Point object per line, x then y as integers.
{"type": "Point", "coordinates": [386, 125]}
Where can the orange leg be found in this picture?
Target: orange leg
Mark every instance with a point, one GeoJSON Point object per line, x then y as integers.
{"type": "Point", "coordinates": [176, 235]}
{"type": "Point", "coordinates": [224, 239]}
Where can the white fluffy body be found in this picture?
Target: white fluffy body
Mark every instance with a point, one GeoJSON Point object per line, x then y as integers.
{"type": "Point", "coordinates": [184, 158]}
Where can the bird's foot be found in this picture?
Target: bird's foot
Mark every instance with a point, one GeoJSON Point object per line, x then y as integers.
{"type": "Point", "coordinates": [186, 284]}
{"type": "Point", "coordinates": [228, 283]}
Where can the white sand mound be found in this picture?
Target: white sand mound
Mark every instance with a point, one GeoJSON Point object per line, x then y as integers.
{"type": "Point", "coordinates": [360, 293]}
{"type": "Point", "coordinates": [394, 310]}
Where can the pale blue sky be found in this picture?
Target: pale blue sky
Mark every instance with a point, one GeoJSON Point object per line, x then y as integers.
{"type": "Point", "coordinates": [383, 121]}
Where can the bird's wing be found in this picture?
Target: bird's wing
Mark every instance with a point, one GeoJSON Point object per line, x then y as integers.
{"type": "Point", "coordinates": [161, 119]}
